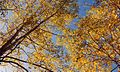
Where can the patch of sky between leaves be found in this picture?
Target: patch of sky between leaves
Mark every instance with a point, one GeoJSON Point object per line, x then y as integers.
{"type": "Point", "coordinates": [82, 12]}
{"type": "Point", "coordinates": [84, 6]}
{"type": "Point", "coordinates": [3, 25]}
{"type": "Point", "coordinates": [113, 66]}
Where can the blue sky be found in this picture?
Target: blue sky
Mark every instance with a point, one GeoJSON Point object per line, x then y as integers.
{"type": "Point", "coordinates": [82, 11]}
{"type": "Point", "coordinates": [83, 8]}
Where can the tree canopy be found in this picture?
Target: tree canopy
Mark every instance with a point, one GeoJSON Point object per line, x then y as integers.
{"type": "Point", "coordinates": [35, 35]}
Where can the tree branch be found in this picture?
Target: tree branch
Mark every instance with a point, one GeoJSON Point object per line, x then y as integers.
{"type": "Point", "coordinates": [114, 68]}
{"type": "Point", "coordinates": [29, 63]}
{"type": "Point", "coordinates": [6, 9]}
{"type": "Point", "coordinates": [14, 63]}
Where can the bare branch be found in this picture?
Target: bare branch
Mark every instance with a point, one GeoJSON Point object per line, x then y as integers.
{"type": "Point", "coordinates": [30, 63]}
{"type": "Point", "coordinates": [114, 68]}
{"type": "Point", "coordinates": [6, 9]}
{"type": "Point", "coordinates": [14, 63]}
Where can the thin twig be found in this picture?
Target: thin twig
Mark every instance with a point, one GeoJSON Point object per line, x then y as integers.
{"type": "Point", "coordinates": [14, 63]}
{"type": "Point", "coordinates": [114, 68]}
{"type": "Point", "coordinates": [29, 63]}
